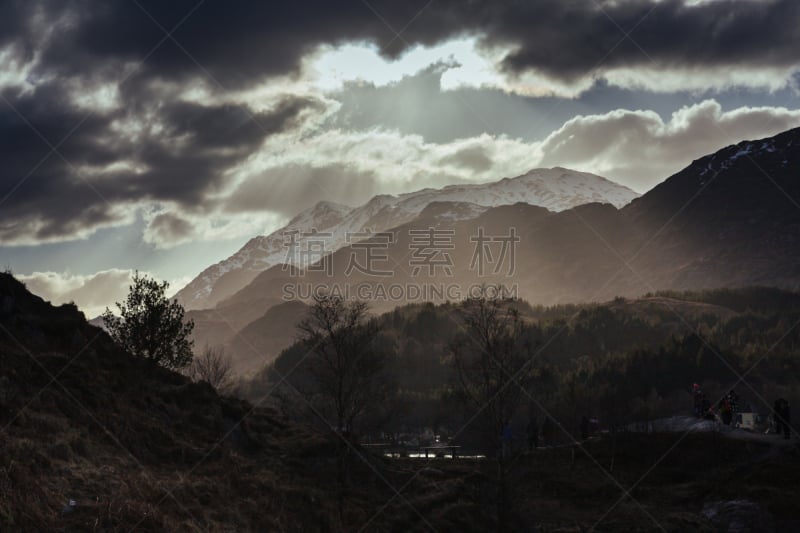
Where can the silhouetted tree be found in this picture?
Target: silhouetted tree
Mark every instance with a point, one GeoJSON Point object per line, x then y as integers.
{"type": "Point", "coordinates": [149, 325]}
{"type": "Point", "coordinates": [492, 360]}
{"type": "Point", "coordinates": [212, 366]}
{"type": "Point", "coordinates": [344, 364]}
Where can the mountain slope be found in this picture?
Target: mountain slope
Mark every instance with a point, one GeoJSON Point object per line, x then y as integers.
{"type": "Point", "coordinates": [558, 259]}
{"type": "Point", "coordinates": [262, 340]}
{"type": "Point", "coordinates": [723, 221]}
{"type": "Point", "coordinates": [139, 448]}
{"type": "Point", "coordinates": [731, 218]}
{"type": "Point", "coordinates": [691, 232]}
{"type": "Point", "coordinates": [226, 277]}
{"type": "Point", "coordinates": [556, 189]}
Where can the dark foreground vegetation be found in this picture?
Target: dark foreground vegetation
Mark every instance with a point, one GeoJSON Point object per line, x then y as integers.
{"type": "Point", "coordinates": [140, 447]}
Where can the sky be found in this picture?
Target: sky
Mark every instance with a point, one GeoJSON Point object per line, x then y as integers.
{"type": "Point", "coordinates": [161, 136]}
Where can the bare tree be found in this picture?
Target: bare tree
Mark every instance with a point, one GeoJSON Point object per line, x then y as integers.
{"type": "Point", "coordinates": [213, 366]}
{"type": "Point", "coordinates": [345, 365]}
{"type": "Point", "coordinates": [492, 361]}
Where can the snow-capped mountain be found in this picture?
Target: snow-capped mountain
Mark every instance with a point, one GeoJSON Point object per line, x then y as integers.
{"type": "Point", "coordinates": [226, 277]}
{"type": "Point", "coordinates": [556, 189]}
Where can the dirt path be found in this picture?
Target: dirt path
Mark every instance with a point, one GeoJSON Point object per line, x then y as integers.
{"type": "Point", "coordinates": [681, 424]}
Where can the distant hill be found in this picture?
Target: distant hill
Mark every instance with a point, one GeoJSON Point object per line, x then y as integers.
{"type": "Point", "coordinates": [258, 343]}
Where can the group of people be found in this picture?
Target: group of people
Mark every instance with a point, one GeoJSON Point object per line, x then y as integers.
{"type": "Point", "coordinates": [781, 416]}
{"type": "Point", "coordinates": [728, 407]}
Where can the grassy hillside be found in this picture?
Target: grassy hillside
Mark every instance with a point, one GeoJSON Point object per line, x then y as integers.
{"type": "Point", "coordinates": [140, 447]}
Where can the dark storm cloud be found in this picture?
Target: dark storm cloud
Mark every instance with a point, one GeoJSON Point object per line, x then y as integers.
{"type": "Point", "coordinates": [186, 160]}
{"type": "Point", "coordinates": [41, 198]}
{"type": "Point", "coordinates": [180, 157]}
{"type": "Point", "coordinates": [16, 23]}
{"type": "Point", "coordinates": [566, 39]}
{"type": "Point", "coordinates": [239, 42]}
{"type": "Point", "coordinates": [236, 42]}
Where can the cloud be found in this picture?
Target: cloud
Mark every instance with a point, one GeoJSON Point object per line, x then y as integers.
{"type": "Point", "coordinates": [474, 158]}
{"type": "Point", "coordinates": [539, 45]}
{"type": "Point", "coordinates": [664, 35]}
{"type": "Point", "coordinates": [639, 149]}
{"type": "Point", "coordinates": [294, 185]}
{"type": "Point", "coordinates": [156, 148]}
{"type": "Point", "coordinates": [636, 148]}
{"type": "Point", "coordinates": [387, 161]}
{"type": "Point", "coordinates": [166, 229]}
{"type": "Point", "coordinates": [92, 293]}
{"type": "Point", "coordinates": [195, 125]}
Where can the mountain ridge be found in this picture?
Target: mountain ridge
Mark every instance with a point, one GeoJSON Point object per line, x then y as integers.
{"type": "Point", "coordinates": [737, 230]}
{"type": "Point", "coordinates": [556, 189]}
